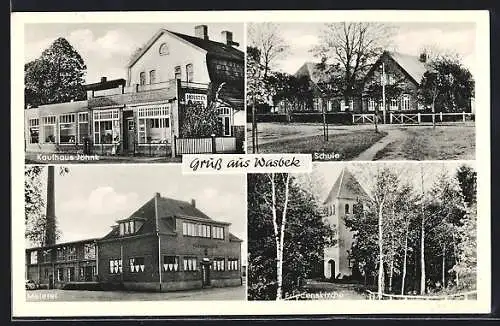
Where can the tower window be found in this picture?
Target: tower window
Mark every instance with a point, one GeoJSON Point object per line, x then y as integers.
{"type": "Point", "coordinates": [347, 208]}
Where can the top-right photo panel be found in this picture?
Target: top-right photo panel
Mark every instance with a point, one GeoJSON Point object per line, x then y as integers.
{"type": "Point", "coordinates": [362, 91]}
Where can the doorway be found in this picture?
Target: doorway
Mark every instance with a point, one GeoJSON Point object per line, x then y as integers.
{"type": "Point", "coordinates": [88, 272]}
{"type": "Point", "coordinates": [331, 264]}
{"type": "Point", "coordinates": [205, 274]}
{"type": "Point", "coordinates": [128, 131]}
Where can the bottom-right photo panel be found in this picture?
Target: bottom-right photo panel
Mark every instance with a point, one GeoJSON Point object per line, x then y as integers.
{"type": "Point", "coordinates": [368, 231]}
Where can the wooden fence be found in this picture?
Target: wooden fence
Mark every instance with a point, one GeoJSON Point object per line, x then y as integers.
{"type": "Point", "coordinates": [364, 118]}
{"type": "Point", "coordinates": [204, 145]}
{"type": "Point", "coordinates": [413, 118]}
{"type": "Point", "coordinates": [456, 296]}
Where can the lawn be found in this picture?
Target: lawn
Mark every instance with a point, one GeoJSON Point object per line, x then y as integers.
{"type": "Point", "coordinates": [425, 143]}
{"type": "Point", "coordinates": [348, 145]}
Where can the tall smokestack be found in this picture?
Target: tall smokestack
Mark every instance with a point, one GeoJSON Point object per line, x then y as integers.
{"type": "Point", "coordinates": [50, 228]}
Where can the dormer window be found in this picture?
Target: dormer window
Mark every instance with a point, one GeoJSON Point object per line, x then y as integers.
{"type": "Point", "coordinates": [128, 227]}
{"type": "Point", "coordinates": [164, 49]}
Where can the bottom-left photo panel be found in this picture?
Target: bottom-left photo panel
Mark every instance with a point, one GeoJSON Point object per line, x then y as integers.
{"type": "Point", "coordinates": [130, 232]}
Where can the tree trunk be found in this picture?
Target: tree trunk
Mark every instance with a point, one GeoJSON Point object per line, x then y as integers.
{"type": "Point", "coordinates": [422, 240]}
{"type": "Point", "coordinates": [443, 269]}
{"type": "Point", "coordinates": [391, 274]}
{"type": "Point", "coordinates": [404, 261]}
{"type": "Point", "coordinates": [381, 258]}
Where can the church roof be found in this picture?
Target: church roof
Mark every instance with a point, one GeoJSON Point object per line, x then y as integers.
{"type": "Point", "coordinates": [346, 187]}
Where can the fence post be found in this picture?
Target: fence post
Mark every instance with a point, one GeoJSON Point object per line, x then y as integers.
{"type": "Point", "coordinates": [174, 146]}
{"type": "Point", "coordinates": [214, 150]}
{"type": "Point", "coordinates": [441, 116]}
{"type": "Point", "coordinates": [353, 119]}
{"type": "Point", "coordinates": [418, 116]}
{"type": "Point", "coordinates": [401, 116]}
{"type": "Point", "coordinates": [149, 147]}
{"type": "Point", "coordinates": [390, 118]}
{"type": "Point", "coordinates": [463, 115]}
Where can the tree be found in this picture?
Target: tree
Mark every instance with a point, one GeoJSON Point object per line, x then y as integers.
{"type": "Point", "coordinates": [56, 76]}
{"type": "Point", "coordinates": [467, 180]}
{"type": "Point", "coordinates": [354, 46]}
{"type": "Point", "coordinates": [447, 86]}
{"type": "Point", "coordinates": [267, 39]}
{"type": "Point", "coordinates": [200, 121]}
{"type": "Point", "coordinates": [255, 88]}
{"type": "Point", "coordinates": [286, 235]}
{"type": "Point", "coordinates": [35, 219]}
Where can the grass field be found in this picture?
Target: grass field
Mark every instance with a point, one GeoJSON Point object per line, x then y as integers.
{"type": "Point", "coordinates": [426, 143]}
{"type": "Point", "coordinates": [348, 145]}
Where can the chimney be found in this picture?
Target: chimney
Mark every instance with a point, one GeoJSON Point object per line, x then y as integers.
{"type": "Point", "coordinates": [201, 31]}
{"type": "Point", "coordinates": [193, 202]}
{"type": "Point", "coordinates": [157, 195]}
{"type": "Point", "coordinates": [50, 228]}
{"type": "Point", "coordinates": [104, 79]}
{"type": "Point", "coordinates": [423, 57]}
{"type": "Point", "coordinates": [227, 38]}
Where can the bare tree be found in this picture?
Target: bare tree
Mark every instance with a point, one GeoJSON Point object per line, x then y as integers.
{"type": "Point", "coordinates": [354, 46]}
{"type": "Point", "coordinates": [267, 39]}
{"type": "Point", "coordinates": [279, 230]}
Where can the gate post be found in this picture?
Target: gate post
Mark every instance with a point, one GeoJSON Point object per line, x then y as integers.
{"type": "Point", "coordinates": [214, 150]}
{"type": "Point", "coordinates": [418, 116]}
{"type": "Point", "coordinates": [463, 115]}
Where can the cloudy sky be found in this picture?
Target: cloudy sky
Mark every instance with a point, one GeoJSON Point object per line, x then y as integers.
{"type": "Point", "coordinates": [90, 198]}
{"type": "Point", "coordinates": [409, 39]}
{"type": "Point", "coordinates": [106, 47]}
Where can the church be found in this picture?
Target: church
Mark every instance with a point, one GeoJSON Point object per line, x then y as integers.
{"type": "Point", "coordinates": [344, 194]}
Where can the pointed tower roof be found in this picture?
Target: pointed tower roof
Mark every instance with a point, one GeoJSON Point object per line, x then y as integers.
{"type": "Point", "coordinates": [346, 187]}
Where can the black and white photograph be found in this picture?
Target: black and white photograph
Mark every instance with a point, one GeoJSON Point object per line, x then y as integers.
{"type": "Point", "coordinates": [99, 234]}
{"type": "Point", "coordinates": [117, 92]}
{"type": "Point", "coordinates": [362, 90]}
{"type": "Point", "coordinates": [372, 231]}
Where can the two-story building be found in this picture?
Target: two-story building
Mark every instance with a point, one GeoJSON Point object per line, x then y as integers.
{"type": "Point", "coordinates": [344, 194]}
{"type": "Point", "coordinates": [146, 110]}
{"type": "Point", "coordinates": [165, 245]}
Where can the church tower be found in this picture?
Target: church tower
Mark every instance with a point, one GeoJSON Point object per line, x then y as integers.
{"type": "Point", "coordinates": [340, 203]}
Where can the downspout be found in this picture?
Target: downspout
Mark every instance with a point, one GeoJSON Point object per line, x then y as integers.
{"type": "Point", "coordinates": [157, 195]}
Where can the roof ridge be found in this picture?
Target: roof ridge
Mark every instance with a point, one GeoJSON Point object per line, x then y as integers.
{"type": "Point", "coordinates": [341, 182]}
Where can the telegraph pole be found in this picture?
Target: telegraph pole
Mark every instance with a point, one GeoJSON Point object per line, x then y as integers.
{"type": "Point", "coordinates": [383, 91]}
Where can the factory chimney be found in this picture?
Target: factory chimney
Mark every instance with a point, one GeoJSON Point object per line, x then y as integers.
{"type": "Point", "coordinates": [50, 227]}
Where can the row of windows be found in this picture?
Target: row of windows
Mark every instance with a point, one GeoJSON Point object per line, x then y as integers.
{"type": "Point", "coordinates": [70, 130]}
{"type": "Point", "coordinates": [68, 274]}
{"type": "Point", "coordinates": [171, 264]}
{"type": "Point", "coordinates": [202, 230]}
{"type": "Point", "coordinates": [330, 209]}
{"type": "Point", "coordinates": [64, 253]}
{"type": "Point", "coordinates": [394, 104]}
{"type": "Point", "coordinates": [177, 75]}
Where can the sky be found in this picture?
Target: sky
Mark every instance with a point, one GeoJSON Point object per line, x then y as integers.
{"type": "Point", "coordinates": [409, 38]}
{"type": "Point", "coordinates": [106, 47]}
{"type": "Point", "coordinates": [90, 198]}
{"type": "Point", "coordinates": [327, 173]}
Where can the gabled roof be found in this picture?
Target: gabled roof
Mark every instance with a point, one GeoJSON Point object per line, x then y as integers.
{"type": "Point", "coordinates": [216, 49]}
{"type": "Point", "coordinates": [168, 208]}
{"type": "Point", "coordinates": [314, 73]}
{"type": "Point", "coordinates": [346, 187]}
{"type": "Point", "coordinates": [411, 64]}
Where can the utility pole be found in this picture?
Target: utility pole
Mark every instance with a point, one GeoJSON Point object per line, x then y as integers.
{"type": "Point", "coordinates": [383, 91]}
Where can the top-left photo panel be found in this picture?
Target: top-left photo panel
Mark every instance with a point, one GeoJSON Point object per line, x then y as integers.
{"type": "Point", "coordinates": [132, 92]}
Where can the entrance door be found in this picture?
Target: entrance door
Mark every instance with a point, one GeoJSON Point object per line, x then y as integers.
{"type": "Point", "coordinates": [130, 125]}
{"type": "Point", "coordinates": [331, 263]}
{"type": "Point", "coordinates": [205, 274]}
{"type": "Point", "coordinates": [88, 273]}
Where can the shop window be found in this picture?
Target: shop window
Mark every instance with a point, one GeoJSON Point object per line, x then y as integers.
{"type": "Point", "coordinates": [190, 264]}
{"type": "Point", "coordinates": [405, 102]}
{"type": "Point", "coordinates": [89, 251]}
{"type": "Point", "coordinates": [106, 127]}
{"type": "Point", "coordinates": [189, 72]}
{"type": "Point", "coordinates": [67, 129]}
{"type": "Point", "coordinates": [71, 253]}
{"type": "Point", "coordinates": [170, 263]}
{"type": "Point", "coordinates": [218, 264]}
{"type": "Point", "coordinates": [154, 125]}
{"type": "Point", "coordinates": [34, 129]}
{"type": "Point", "coordinates": [60, 274]}
{"type": "Point", "coordinates": [33, 257]}
{"type": "Point", "coordinates": [83, 126]}
{"type": "Point", "coordinates": [142, 78]}
{"type": "Point", "coordinates": [232, 264]}
{"type": "Point", "coordinates": [71, 274]}
{"type": "Point", "coordinates": [177, 73]}
{"type": "Point", "coordinates": [136, 264]}
{"type": "Point", "coordinates": [115, 266]}
{"type": "Point", "coordinates": [152, 76]}
{"type": "Point", "coordinates": [217, 232]}
{"type": "Point", "coordinates": [49, 129]}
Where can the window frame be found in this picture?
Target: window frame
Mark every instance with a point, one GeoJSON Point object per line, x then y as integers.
{"type": "Point", "coordinates": [142, 78]}
{"type": "Point", "coordinates": [190, 267]}
{"type": "Point", "coordinates": [152, 76]}
{"type": "Point", "coordinates": [115, 263]}
{"type": "Point", "coordinates": [71, 120]}
{"type": "Point", "coordinates": [189, 73]}
{"type": "Point", "coordinates": [34, 125]}
{"type": "Point", "coordinates": [135, 265]}
{"type": "Point", "coordinates": [176, 265]}
{"type": "Point", "coordinates": [50, 121]}
{"type": "Point", "coordinates": [161, 49]}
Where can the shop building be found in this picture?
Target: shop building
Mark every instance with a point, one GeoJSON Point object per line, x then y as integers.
{"type": "Point", "coordinates": [145, 111]}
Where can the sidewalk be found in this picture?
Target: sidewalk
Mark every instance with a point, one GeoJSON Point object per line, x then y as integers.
{"type": "Point", "coordinates": [70, 158]}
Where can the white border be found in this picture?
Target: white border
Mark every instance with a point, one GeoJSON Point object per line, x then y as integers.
{"type": "Point", "coordinates": [21, 308]}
